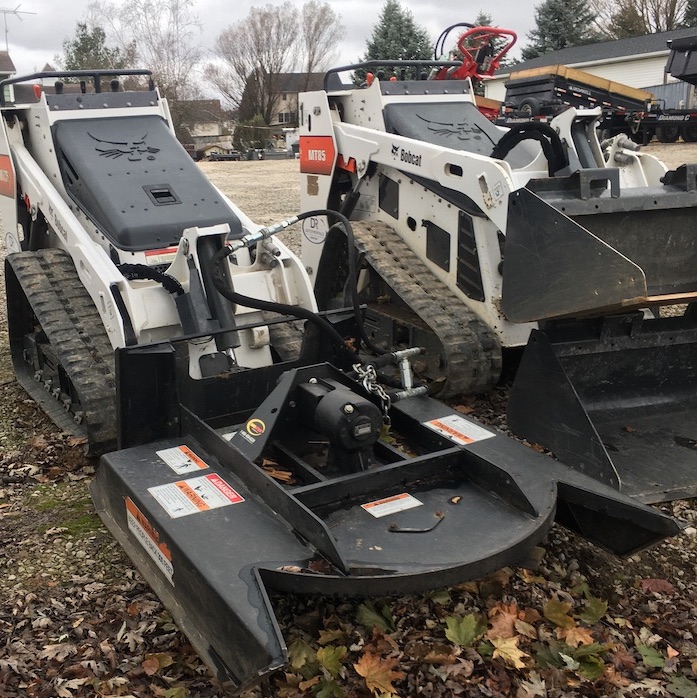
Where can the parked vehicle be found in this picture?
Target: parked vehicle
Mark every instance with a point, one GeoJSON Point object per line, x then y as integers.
{"type": "Point", "coordinates": [539, 94]}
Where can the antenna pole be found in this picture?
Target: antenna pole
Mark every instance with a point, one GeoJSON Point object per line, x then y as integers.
{"type": "Point", "coordinates": [16, 12]}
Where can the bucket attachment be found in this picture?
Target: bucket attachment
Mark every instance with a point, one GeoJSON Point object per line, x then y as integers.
{"type": "Point", "coordinates": [582, 246]}
{"type": "Point", "coordinates": [615, 398]}
{"type": "Point", "coordinates": [302, 494]}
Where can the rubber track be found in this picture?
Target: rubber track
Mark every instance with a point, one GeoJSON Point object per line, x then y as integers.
{"type": "Point", "coordinates": [286, 338]}
{"type": "Point", "coordinates": [472, 353]}
{"type": "Point", "coordinates": [77, 335]}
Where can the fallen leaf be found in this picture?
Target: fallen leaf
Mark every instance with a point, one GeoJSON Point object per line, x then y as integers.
{"type": "Point", "coordinates": [534, 687]}
{"type": "Point", "coordinates": [507, 649]}
{"type": "Point", "coordinates": [465, 631]}
{"type": "Point", "coordinates": [150, 666]}
{"type": "Point", "coordinates": [656, 586]}
{"type": "Point", "coordinates": [326, 637]}
{"type": "Point", "coordinates": [557, 612]}
{"type": "Point", "coordinates": [463, 409]}
{"type": "Point", "coordinates": [526, 629]}
{"type": "Point", "coordinates": [651, 656]}
{"type": "Point", "coordinates": [378, 673]}
{"type": "Point", "coordinates": [682, 686]}
{"type": "Point", "coordinates": [330, 658]}
{"type": "Point", "coordinates": [535, 447]}
{"type": "Point", "coordinates": [439, 657]}
{"type": "Point", "coordinates": [156, 662]}
{"type": "Point", "coordinates": [615, 678]}
{"type": "Point", "coordinates": [593, 611]}
{"type": "Point", "coordinates": [623, 660]}
{"type": "Point", "coordinates": [300, 653]}
{"type": "Point", "coordinates": [502, 619]}
{"type": "Point", "coordinates": [530, 577]}
{"type": "Point", "coordinates": [575, 636]}
{"type": "Point", "coordinates": [59, 651]}
{"type": "Point", "coordinates": [369, 616]}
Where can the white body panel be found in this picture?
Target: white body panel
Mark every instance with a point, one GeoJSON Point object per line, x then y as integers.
{"type": "Point", "coordinates": [353, 126]}
{"type": "Point", "coordinates": [29, 162]}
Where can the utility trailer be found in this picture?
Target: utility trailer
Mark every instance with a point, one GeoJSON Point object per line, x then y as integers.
{"type": "Point", "coordinates": [540, 93]}
{"type": "Point", "coordinates": [144, 312]}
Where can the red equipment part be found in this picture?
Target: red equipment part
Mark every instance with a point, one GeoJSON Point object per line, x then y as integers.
{"type": "Point", "coordinates": [479, 55]}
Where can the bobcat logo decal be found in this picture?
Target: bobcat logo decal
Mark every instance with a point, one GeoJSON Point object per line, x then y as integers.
{"type": "Point", "coordinates": [134, 150]}
{"type": "Point", "coordinates": [462, 130]}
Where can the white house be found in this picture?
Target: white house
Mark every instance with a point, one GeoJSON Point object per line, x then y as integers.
{"type": "Point", "coordinates": [638, 62]}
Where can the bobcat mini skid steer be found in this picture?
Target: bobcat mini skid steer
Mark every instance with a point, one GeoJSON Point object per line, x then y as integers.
{"type": "Point", "coordinates": [149, 313]}
{"type": "Point", "coordinates": [478, 240]}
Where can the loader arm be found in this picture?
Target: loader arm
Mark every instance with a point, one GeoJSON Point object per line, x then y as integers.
{"type": "Point", "coordinates": [488, 183]}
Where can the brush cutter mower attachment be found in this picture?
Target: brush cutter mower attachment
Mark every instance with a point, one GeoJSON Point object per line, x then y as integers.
{"type": "Point", "coordinates": [278, 477]}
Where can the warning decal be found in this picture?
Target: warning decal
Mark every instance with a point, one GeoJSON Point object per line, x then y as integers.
{"type": "Point", "coordinates": [459, 430]}
{"type": "Point", "coordinates": [391, 505]}
{"type": "Point", "coordinates": [194, 495]}
{"type": "Point", "coordinates": [149, 538]}
{"type": "Point", "coordinates": [256, 427]}
{"type": "Point", "coordinates": [181, 459]}
{"type": "Point", "coordinates": [157, 257]}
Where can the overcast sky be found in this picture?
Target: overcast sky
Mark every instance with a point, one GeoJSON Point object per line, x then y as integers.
{"type": "Point", "coordinates": [34, 39]}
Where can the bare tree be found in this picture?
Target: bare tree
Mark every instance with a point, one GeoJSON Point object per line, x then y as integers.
{"type": "Point", "coordinates": [164, 34]}
{"type": "Point", "coordinates": [253, 53]}
{"type": "Point", "coordinates": [620, 19]}
{"type": "Point", "coordinates": [321, 32]}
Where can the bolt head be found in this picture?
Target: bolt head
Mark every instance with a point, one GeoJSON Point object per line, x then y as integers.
{"type": "Point", "coordinates": [348, 408]}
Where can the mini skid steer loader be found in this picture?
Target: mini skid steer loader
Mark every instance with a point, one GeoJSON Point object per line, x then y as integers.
{"type": "Point", "coordinates": [144, 310]}
{"type": "Point", "coordinates": [477, 240]}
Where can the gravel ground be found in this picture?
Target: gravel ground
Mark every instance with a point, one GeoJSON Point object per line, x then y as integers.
{"type": "Point", "coordinates": [77, 620]}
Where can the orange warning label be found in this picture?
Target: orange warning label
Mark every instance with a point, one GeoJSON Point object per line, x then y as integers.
{"type": "Point", "coordinates": [149, 538]}
{"type": "Point", "coordinates": [195, 495]}
{"type": "Point", "coordinates": [182, 459]}
{"type": "Point", "coordinates": [391, 505]}
{"type": "Point", "coordinates": [459, 430]}
{"type": "Point", "coordinates": [147, 527]}
{"type": "Point", "coordinates": [192, 496]}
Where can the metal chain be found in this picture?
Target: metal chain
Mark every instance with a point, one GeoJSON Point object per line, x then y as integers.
{"type": "Point", "coordinates": [369, 380]}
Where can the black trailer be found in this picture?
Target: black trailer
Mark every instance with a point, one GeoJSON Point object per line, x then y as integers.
{"type": "Point", "coordinates": [541, 93]}
{"type": "Point", "coordinates": [546, 90]}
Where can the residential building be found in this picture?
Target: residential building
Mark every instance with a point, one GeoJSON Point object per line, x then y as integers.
{"type": "Point", "coordinates": [290, 86]}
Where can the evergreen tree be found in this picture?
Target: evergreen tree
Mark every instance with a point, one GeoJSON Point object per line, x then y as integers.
{"type": "Point", "coordinates": [560, 23]}
{"type": "Point", "coordinates": [690, 17]}
{"type": "Point", "coordinates": [396, 36]}
{"type": "Point", "coordinates": [88, 49]}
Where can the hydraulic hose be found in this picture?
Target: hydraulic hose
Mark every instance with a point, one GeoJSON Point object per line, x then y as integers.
{"type": "Point", "coordinates": [220, 281]}
{"type": "Point", "coordinates": [353, 272]}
